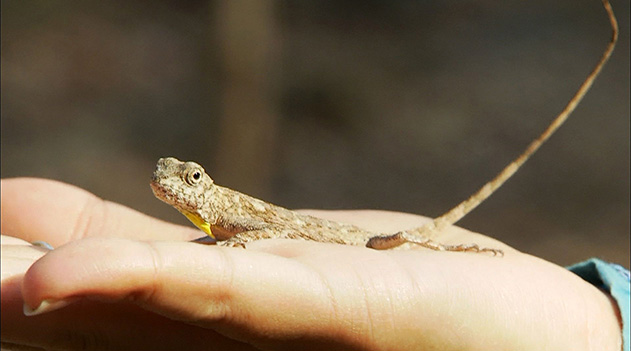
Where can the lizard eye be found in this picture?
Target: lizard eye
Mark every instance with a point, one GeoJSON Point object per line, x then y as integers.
{"type": "Point", "coordinates": [193, 177]}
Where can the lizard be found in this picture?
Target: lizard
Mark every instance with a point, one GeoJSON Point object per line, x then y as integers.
{"type": "Point", "coordinates": [233, 219]}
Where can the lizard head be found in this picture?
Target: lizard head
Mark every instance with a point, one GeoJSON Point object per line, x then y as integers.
{"type": "Point", "coordinates": [185, 186]}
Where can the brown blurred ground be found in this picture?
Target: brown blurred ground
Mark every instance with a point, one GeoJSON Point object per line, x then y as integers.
{"type": "Point", "coordinates": [405, 105]}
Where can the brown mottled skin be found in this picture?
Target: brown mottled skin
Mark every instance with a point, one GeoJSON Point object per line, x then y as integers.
{"type": "Point", "coordinates": [236, 219]}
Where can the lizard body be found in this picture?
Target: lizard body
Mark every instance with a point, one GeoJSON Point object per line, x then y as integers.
{"type": "Point", "coordinates": [236, 219]}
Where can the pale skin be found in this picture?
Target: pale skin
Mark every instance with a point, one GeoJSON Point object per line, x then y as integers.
{"type": "Point", "coordinates": [137, 284]}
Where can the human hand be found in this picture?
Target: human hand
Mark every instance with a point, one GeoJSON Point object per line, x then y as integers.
{"type": "Point", "coordinates": [278, 294]}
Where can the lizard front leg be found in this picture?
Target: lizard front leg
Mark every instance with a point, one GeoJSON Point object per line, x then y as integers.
{"type": "Point", "coordinates": [240, 239]}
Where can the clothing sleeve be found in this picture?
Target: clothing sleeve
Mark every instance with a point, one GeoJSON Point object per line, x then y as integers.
{"type": "Point", "coordinates": [613, 278]}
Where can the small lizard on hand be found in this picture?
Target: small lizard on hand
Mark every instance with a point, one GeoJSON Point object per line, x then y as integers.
{"type": "Point", "coordinates": [236, 219]}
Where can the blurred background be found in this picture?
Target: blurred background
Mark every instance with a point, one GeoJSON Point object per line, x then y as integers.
{"type": "Point", "coordinates": [401, 105]}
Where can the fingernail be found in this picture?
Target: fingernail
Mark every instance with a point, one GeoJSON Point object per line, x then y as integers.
{"type": "Point", "coordinates": [46, 306]}
{"type": "Point", "coordinates": [43, 244]}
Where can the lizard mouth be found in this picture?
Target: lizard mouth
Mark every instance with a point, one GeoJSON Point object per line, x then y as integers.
{"type": "Point", "coordinates": [170, 196]}
{"type": "Point", "coordinates": [159, 191]}
{"type": "Point", "coordinates": [163, 193]}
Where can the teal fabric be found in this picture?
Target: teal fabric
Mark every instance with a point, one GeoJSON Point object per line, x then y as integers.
{"type": "Point", "coordinates": [613, 278]}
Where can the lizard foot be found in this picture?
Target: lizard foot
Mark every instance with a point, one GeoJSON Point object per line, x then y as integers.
{"type": "Point", "coordinates": [232, 243]}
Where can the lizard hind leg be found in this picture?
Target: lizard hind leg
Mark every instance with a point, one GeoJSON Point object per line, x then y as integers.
{"type": "Point", "coordinates": [384, 242]}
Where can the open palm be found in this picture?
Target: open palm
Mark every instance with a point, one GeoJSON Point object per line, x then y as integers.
{"type": "Point", "coordinates": [134, 282]}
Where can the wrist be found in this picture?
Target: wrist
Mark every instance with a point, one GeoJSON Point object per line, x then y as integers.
{"type": "Point", "coordinates": [613, 281]}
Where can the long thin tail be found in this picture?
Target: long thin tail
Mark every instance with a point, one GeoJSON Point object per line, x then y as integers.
{"type": "Point", "coordinates": [462, 209]}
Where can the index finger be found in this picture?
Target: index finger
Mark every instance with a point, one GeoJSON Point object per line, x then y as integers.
{"type": "Point", "coordinates": [42, 209]}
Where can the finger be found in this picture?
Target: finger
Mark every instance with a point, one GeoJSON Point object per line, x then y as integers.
{"type": "Point", "coordinates": [9, 240]}
{"type": "Point", "coordinates": [251, 296]}
{"type": "Point", "coordinates": [93, 325]}
{"type": "Point", "coordinates": [90, 323]}
{"type": "Point", "coordinates": [51, 211]}
{"type": "Point", "coordinates": [16, 259]}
